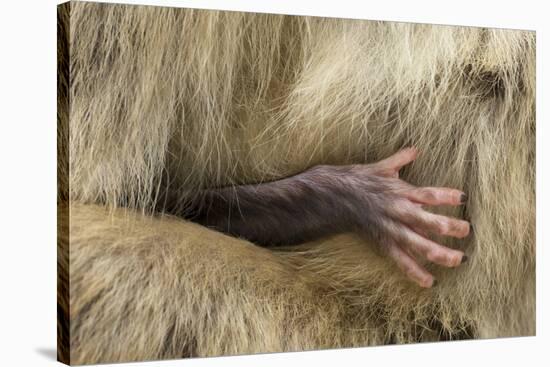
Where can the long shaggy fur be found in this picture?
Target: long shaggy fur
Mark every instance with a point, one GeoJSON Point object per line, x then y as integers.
{"type": "Point", "coordinates": [166, 101]}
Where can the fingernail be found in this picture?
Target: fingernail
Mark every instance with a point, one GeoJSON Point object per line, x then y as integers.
{"type": "Point", "coordinates": [434, 283]}
{"type": "Point", "coordinates": [464, 259]}
{"type": "Point", "coordinates": [463, 198]}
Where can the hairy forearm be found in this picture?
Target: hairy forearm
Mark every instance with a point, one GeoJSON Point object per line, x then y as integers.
{"type": "Point", "coordinates": [288, 211]}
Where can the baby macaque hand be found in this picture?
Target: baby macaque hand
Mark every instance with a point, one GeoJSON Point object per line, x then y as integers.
{"type": "Point", "coordinates": [390, 211]}
{"type": "Point", "coordinates": [369, 199]}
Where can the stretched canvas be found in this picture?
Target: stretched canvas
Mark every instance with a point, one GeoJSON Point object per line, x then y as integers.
{"type": "Point", "coordinates": [235, 183]}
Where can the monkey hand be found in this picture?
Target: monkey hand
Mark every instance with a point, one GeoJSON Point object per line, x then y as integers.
{"type": "Point", "coordinates": [390, 211]}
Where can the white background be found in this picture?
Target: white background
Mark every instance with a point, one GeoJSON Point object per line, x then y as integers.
{"type": "Point", "coordinates": [28, 183]}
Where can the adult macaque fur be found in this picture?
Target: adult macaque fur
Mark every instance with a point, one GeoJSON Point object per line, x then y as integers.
{"type": "Point", "coordinates": [163, 103]}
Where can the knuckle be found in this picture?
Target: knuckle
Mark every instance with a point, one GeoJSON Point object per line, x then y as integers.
{"type": "Point", "coordinates": [428, 194]}
{"type": "Point", "coordinates": [405, 208]}
{"type": "Point", "coordinates": [443, 226]}
{"type": "Point", "coordinates": [460, 228]}
{"type": "Point", "coordinates": [410, 272]}
{"type": "Point", "coordinates": [432, 256]}
{"type": "Point", "coordinates": [438, 257]}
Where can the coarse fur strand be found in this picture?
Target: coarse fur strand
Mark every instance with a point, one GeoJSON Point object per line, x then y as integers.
{"type": "Point", "coordinates": [162, 102]}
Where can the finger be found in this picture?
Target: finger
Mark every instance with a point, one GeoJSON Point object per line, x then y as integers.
{"type": "Point", "coordinates": [410, 267]}
{"type": "Point", "coordinates": [438, 224]}
{"type": "Point", "coordinates": [432, 251]}
{"type": "Point", "coordinates": [436, 196]}
{"type": "Point", "coordinates": [399, 159]}
{"type": "Point", "coordinates": [445, 226]}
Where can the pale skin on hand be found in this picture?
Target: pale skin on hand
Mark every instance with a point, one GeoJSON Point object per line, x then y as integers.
{"type": "Point", "coordinates": [406, 225]}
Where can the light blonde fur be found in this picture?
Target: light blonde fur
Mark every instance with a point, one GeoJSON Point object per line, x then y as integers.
{"type": "Point", "coordinates": [165, 101]}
